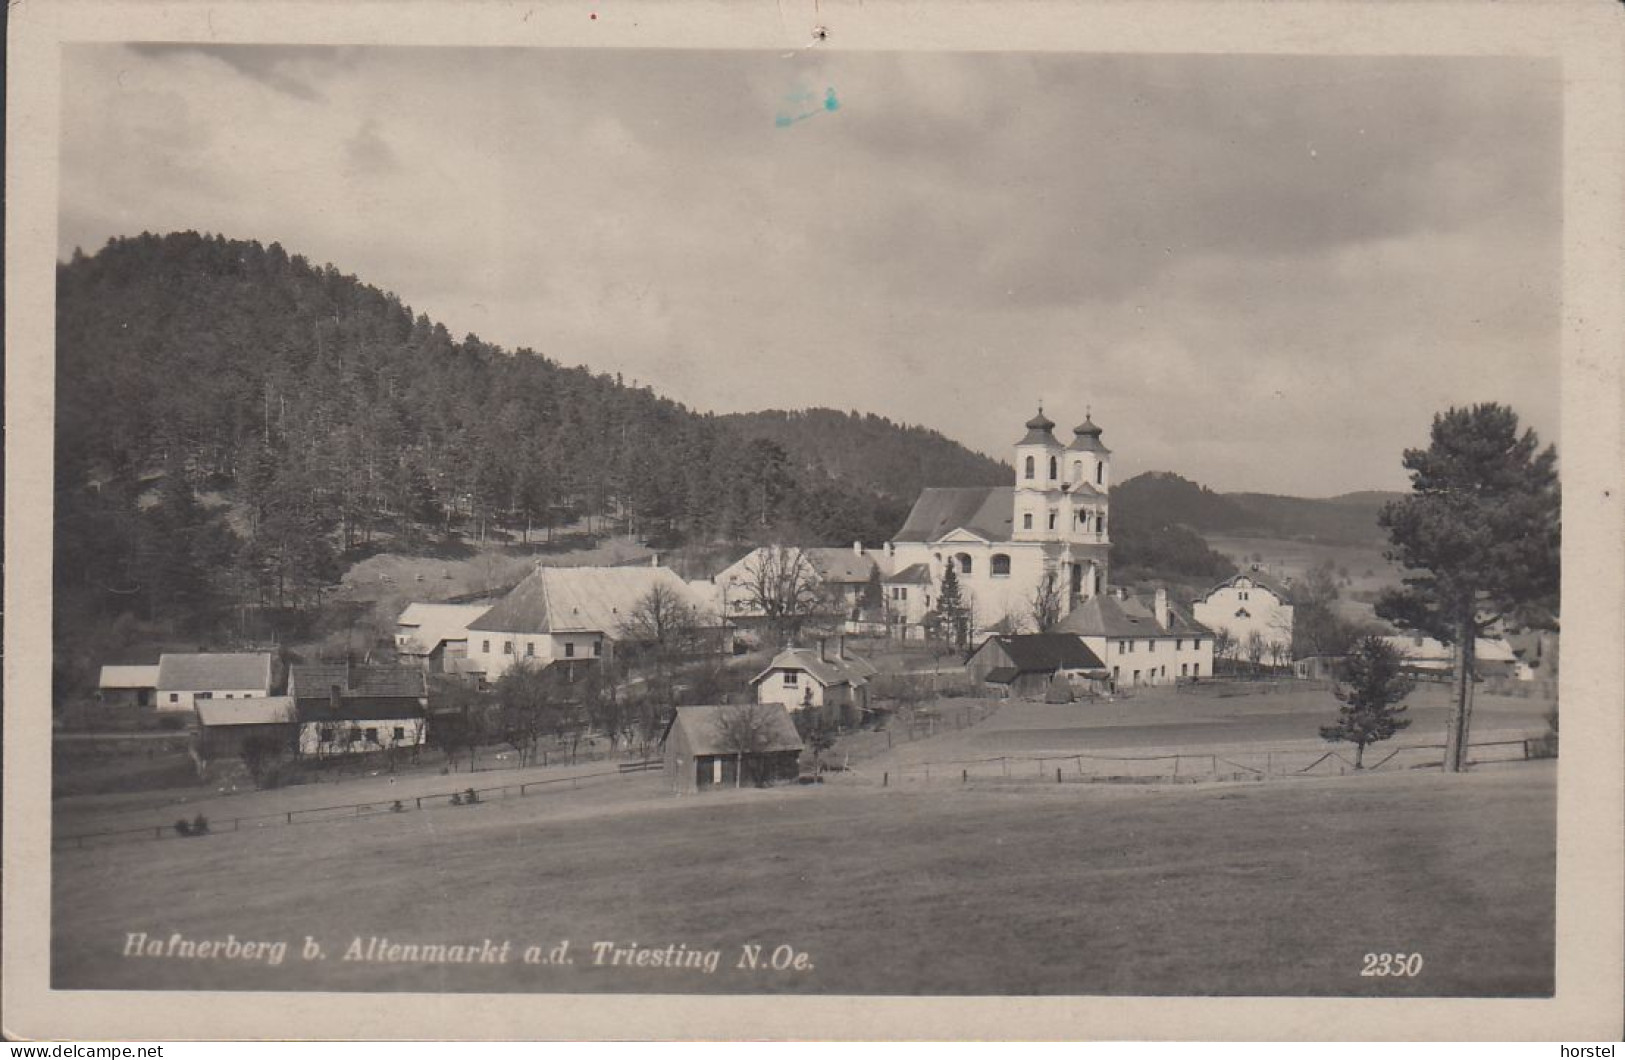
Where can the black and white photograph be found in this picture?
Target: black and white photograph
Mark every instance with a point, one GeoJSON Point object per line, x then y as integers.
{"type": "Point", "coordinates": [742, 520]}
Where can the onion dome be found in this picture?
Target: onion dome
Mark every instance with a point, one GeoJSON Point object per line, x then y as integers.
{"type": "Point", "coordinates": [1038, 430]}
{"type": "Point", "coordinates": [1086, 437]}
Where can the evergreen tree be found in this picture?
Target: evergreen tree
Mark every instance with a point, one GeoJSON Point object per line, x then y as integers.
{"type": "Point", "coordinates": [1481, 536]}
{"type": "Point", "coordinates": [952, 610]}
{"type": "Point", "coordinates": [1371, 686]}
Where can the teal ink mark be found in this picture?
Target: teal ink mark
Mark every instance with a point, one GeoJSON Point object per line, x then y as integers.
{"type": "Point", "coordinates": [803, 97]}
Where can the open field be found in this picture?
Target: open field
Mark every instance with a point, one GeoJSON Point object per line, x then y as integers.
{"type": "Point", "coordinates": [1216, 889]}
{"type": "Point", "coordinates": [1204, 719]}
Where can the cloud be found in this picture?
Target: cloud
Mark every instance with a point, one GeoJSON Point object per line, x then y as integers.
{"type": "Point", "coordinates": [1265, 272]}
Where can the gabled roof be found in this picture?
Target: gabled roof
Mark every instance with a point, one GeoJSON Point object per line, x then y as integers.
{"type": "Point", "coordinates": [316, 680]}
{"type": "Point", "coordinates": [1144, 607]}
{"type": "Point", "coordinates": [428, 626]}
{"type": "Point", "coordinates": [256, 710]}
{"type": "Point", "coordinates": [840, 564]}
{"type": "Point", "coordinates": [988, 511]}
{"type": "Point", "coordinates": [835, 670]}
{"type": "Point", "coordinates": [214, 671]}
{"type": "Point", "coordinates": [128, 677]}
{"type": "Point", "coordinates": [703, 727]}
{"type": "Point", "coordinates": [913, 574]}
{"type": "Point", "coordinates": [1263, 581]}
{"type": "Point", "coordinates": [1106, 616]}
{"type": "Point", "coordinates": [580, 600]}
{"type": "Point", "coordinates": [1046, 652]}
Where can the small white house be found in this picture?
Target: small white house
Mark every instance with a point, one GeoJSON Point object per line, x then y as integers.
{"type": "Point", "coordinates": [816, 677]}
{"type": "Point", "coordinates": [128, 686]}
{"type": "Point", "coordinates": [1246, 604]}
{"type": "Point", "coordinates": [185, 678]}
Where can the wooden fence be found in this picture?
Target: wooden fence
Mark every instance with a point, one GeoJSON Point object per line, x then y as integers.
{"type": "Point", "coordinates": [1190, 767]}
{"type": "Point", "coordinates": [348, 810]}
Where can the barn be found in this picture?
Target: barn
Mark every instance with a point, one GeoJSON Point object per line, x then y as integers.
{"type": "Point", "coordinates": [225, 727]}
{"type": "Point", "coordinates": [731, 746]}
{"type": "Point", "coordinates": [1034, 664]}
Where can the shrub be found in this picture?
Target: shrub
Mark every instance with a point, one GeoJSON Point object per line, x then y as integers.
{"type": "Point", "coordinates": [398, 808]}
{"type": "Point", "coordinates": [200, 825]}
{"type": "Point", "coordinates": [470, 797]}
{"type": "Point", "coordinates": [171, 723]}
{"type": "Point", "coordinates": [183, 827]}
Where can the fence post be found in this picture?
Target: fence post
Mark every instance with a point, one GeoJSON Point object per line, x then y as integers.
{"type": "Point", "coordinates": [290, 816]}
{"type": "Point", "coordinates": [1057, 774]}
{"type": "Point", "coordinates": [420, 802]}
{"type": "Point", "coordinates": [888, 738]}
{"type": "Point", "coordinates": [964, 776]}
{"type": "Point", "coordinates": [885, 779]}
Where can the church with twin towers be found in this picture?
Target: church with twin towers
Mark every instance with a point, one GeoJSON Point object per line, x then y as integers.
{"type": "Point", "coordinates": [1004, 540]}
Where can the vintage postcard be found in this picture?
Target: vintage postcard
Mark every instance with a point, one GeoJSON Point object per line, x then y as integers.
{"type": "Point", "coordinates": [604, 519]}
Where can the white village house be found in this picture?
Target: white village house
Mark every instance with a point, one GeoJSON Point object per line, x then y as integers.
{"type": "Point", "coordinates": [563, 614]}
{"type": "Point", "coordinates": [817, 677]}
{"type": "Point", "coordinates": [842, 575]}
{"type": "Point", "coordinates": [1251, 602]}
{"type": "Point", "coordinates": [185, 678]}
{"type": "Point", "coordinates": [1005, 540]}
{"type": "Point", "coordinates": [1142, 640]}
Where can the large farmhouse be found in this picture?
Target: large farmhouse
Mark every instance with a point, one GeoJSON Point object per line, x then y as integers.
{"type": "Point", "coordinates": [348, 709]}
{"type": "Point", "coordinates": [1048, 529]}
{"type": "Point", "coordinates": [569, 614]}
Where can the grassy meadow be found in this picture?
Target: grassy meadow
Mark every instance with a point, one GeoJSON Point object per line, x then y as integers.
{"type": "Point", "coordinates": [1222, 889]}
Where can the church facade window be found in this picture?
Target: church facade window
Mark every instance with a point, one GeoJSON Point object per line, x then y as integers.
{"type": "Point", "coordinates": [1052, 519]}
{"type": "Point", "coordinates": [1030, 467]}
{"type": "Point", "coordinates": [1000, 565]}
{"type": "Point", "coordinates": [965, 563]}
{"type": "Point", "coordinates": [1026, 520]}
{"type": "Point", "coordinates": [1053, 471]}
{"type": "Point", "coordinates": [1100, 472]}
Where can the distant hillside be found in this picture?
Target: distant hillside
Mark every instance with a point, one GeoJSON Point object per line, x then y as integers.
{"type": "Point", "coordinates": [871, 451]}
{"type": "Point", "coordinates": [1166, 498]}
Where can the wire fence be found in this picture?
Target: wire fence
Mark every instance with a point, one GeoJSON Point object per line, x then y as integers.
{"type": "Point", "coordinates": [345, 811]}
{"type": "Point", "coordinates": [1192, 767]}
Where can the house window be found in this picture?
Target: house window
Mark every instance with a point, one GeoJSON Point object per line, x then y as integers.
{"type": "Point", "coordinates": [372, 735]}
{"type": "Point", "coordinates": [791, 678]}
{"type": "Point", "coordinates": [1241, 612]}
{"type": "Point", "coordinates": [507, 647]}
{"type": "Point", "coordinates": [400, 733]}
{"type": "Point", "coordinates": [964, 562]}
{"type": "Point", "coordinates": [485, 646]}
{"type": "Point", "coordinates": [1136, 677]}
{"type": "Point", "coordinates": [569, 649]}
{"type": "Point", "coordinates": [1150, 645]}
{"type": "Point", "coordinates": [228, 695]}
{"type": "Point", "coordinates": [205, 695]}
{"type": "Point", "coordinates": [1026, 520]}
{"type": "Point", "coordinates": [1116, 672]}
{"type": "Point", "coordinates": [1179, 645]}
{"type": "Point", "coordinates": [1029, 467]}
{"type": "Point", "coordinates": [530, 649]}
{"type": "Point", "coordinates": [1197, 643]}
{"type": "Point", "coordinates": [1053, 473]}
{"type": "Point", "coordinates": [1052, 519]}
{"type": "Point", "coordinates": [1100, 524]}
{"type": "Point", "coordinates": [1184, 669]}
{"type": "Point", "coordinates": [174, 697]}
{"type": "Point", "coordinates": [1196, 669]}
{"type": "Point", "coordinates": [1001, 565]}
{"type": "Point", "coordinates": [598, 648]}
{"type": "Point", "coordinates": [325, 734]}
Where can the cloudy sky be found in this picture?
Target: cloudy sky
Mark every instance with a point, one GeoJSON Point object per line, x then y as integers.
{"type": "Point", "coordinates": [1265, 273]}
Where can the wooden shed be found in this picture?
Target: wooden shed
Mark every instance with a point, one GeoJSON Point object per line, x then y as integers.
{"type": "Point", "coordinates": [1030, 664]}
{"type": "Point", "coordinates": [731, 746]}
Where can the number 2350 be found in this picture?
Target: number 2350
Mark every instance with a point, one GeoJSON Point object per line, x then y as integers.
{"type": "Point", "coordinates": [1385, 964]}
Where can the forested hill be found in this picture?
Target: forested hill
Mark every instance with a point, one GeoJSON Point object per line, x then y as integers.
{"type": "Point", "coordinates": [1349, 520]}
{"type": "Point", "coordinates": [889, 458]}
{"type": "Point", "coordinates": [232, 417]}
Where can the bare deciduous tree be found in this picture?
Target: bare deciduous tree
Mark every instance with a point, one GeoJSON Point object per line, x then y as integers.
{"type": "Point", "coordinates": [1046, 601]}
{"type": "Point", "coordinates": [746, 731]}
{"type": "Point", "coordinates": [782, 585]}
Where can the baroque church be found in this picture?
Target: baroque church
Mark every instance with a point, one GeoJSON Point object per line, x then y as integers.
{"type": "Point", "coordinates": [1005, 540]}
